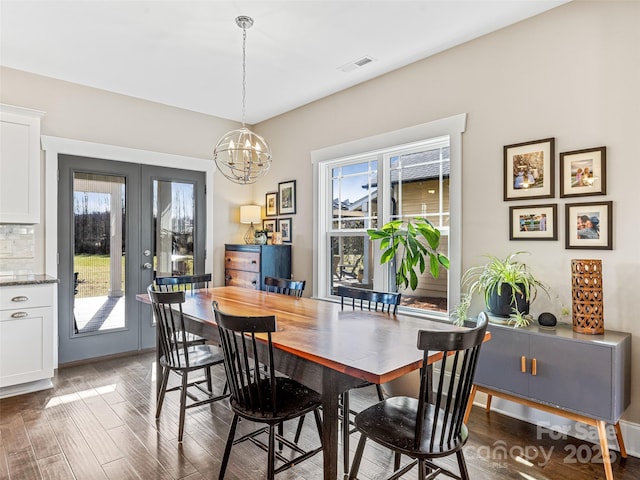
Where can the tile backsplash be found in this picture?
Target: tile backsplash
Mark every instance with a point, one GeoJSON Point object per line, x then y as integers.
{"type": "Point", "coordinates": [17, 249]}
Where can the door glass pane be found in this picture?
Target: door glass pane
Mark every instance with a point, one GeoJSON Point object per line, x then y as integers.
{"type": "Point", "coordinates": [173, 221]}
{"type": "Point", "coordinates": [99, 254]}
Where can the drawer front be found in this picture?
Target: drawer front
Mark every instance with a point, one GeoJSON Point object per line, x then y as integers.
{"type": "Point", "coordinates": [248, 261]}
{"type": "Point", "coordinates": [26, 296]}
{"type": "Point", "coordinates": [241, 278]}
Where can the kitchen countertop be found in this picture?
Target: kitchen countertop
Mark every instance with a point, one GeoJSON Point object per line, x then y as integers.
{"type": "Point", "coordinates": [30, 279]}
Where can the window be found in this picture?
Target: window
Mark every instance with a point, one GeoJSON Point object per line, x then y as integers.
{"type": "Point", "coordinates": [370, 182]}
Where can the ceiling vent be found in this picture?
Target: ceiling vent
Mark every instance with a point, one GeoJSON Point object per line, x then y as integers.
{"type": "Point", "coordinates": [361, 62]}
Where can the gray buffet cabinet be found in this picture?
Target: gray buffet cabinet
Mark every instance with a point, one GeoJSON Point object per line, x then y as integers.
{"type": "Point", "coordinates": [585, 378]}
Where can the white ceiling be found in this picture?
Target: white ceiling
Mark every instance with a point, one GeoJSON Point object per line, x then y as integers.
{"type": "Point", "coordinates": [188, 54]}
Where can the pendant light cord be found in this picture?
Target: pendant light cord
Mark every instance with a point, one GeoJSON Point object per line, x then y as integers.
{"type": "Point", "coordinates": [244, 72]}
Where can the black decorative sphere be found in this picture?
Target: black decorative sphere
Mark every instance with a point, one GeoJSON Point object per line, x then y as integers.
{"type": "Point", "coordinates": [547, 319]}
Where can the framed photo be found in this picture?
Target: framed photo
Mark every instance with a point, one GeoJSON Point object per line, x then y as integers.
{"type": "Point", "coordinates": [284, 227]}
{"type": "Point", "coordinates": [528, 170]}
{"type": "Point", "coordinates": [269, 226]}
{"type": "Point", "coordinates": [287, 198]}
{"type": "Point", "coordinates": [589, 225]}
{"type": "Point", "coordinates": [583, 172]}
{"type": "Point", "coordinates": [271, 204]}
{"type": "Point", "coordinates": [534, 222]}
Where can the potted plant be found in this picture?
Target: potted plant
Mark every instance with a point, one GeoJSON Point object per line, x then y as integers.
{"type": "Point", "coordinates": [417, 242]}
{"type": "Point", "coordinates": [261, 237]}
{"type": "Point", "coordinates": [507, 284]}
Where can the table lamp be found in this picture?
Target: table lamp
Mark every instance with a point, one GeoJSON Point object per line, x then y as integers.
{"type": "Point", "coordinates": [250, 214]}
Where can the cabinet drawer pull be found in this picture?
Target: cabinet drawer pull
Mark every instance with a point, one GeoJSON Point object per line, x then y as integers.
{"type": "Point", "coordinates": [253, 262]}
{"type": "Point", "coordinates": [19, 315]}
{"type": "Point", "coordinates": [523, 364]}
{"type": "Point", "coordinates": [20, 298]}
{"type": "Point", "coordinates": [534, 367]}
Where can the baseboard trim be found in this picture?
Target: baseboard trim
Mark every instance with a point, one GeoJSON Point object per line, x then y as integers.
{"type": "Point", "coordinates": [23, 388]}
{"type": "Point", "coordinates": [564, 426]}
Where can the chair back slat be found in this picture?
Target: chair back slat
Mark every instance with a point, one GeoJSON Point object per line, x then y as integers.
{"type": "Point", "coordinates": [183, 283]}
{"type": "Point", "coordinates": [167, 310]}
{"type": "Point", "coordinates": [284, 286]}
{"type": "Point", "coordinates": [460, 351]}
{"type": "Point", "coordinates": [248, 360]}
{"type": "Point", "coordinates": [369, 299]}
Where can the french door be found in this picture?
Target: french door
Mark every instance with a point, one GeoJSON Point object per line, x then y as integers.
{"type": "Point", "coordinates": [120, 225]}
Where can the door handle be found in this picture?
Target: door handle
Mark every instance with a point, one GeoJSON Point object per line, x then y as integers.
{"type": "Point", "coordinates": [534, 367]}
{"type": "Point", "coordinates": [523, 364]}
{"type": "Point", "coordinates": [147, 266]}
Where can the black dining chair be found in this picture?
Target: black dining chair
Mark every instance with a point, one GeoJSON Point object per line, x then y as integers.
{"type": "Point", "coordinates": [284, 286]}
{"type": "Point", "coordinates": [180, 357]}
{"type": "Point", "coordinates": [185, 283]}
{"type": "Point", "coordinates": [257, 393]}
{"type": "Point", "coordinates": [363, 299]}
{"type": "Point", "coordinates": [418, 428]}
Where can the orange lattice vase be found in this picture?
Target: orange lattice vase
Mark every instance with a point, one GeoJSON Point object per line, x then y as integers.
{"type": "Point", "coordinates": [586, 290]}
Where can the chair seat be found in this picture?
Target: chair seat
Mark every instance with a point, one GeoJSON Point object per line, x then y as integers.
{"type": "Point", "coordinates": [392, 423]}
{"type": "Point", "coordinates": [200, 356]}
{"type": "Point", "coordinates": [293, 399]}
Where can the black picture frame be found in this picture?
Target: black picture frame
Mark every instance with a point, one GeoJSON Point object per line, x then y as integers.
{"type": "Point", "coordinates": [270, 226]}
{"type": "Point", "coordinates": [287, 198]}
{"type": "Point", "coordinates": [596, 219]}
{"type": "Point", "coordinates": [529, 170]}
{"type": "Point", "coordinates": [574, 182]}
{"type": "Point", "coordinates": [271, 204]}
{"type": "Point", "coordinates": [533, 222]}
{"type": "Point", "coordinates": [285, 228]}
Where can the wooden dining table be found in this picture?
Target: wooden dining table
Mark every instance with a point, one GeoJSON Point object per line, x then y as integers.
{"type": "Point", "coordinates": [320, 345]}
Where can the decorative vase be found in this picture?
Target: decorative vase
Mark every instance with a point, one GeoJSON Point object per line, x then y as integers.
{"type": "Point", "coordinates": [502, 305]}
{"type": "Point", "coordinates": [586, 290]}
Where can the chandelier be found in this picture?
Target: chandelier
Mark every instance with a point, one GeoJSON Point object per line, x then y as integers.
{"type": "Point", "coordinates": [241, 155]}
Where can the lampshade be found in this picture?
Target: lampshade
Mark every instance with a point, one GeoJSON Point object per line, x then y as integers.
{"type": "Point", "coordinates": [250, 214]}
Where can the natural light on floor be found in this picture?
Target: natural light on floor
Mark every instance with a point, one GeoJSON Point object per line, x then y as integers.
{"type": "Point", "coordinates": [73, 397]}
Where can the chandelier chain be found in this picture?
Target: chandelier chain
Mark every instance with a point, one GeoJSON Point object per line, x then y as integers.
{"type": "Point", "coordinates": [244, 72]}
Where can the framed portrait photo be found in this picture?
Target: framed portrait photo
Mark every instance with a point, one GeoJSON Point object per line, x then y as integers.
{"type": "Point", "coordinates": [287, 198]}
{"type": "Point", "coordinates": [269, 226]}
{"type": "Point", "coordinates": [534, 222]}
{"type": "Point", "coordinates": [583, 172]}
{"type": "Point", "coordinates": [589, 225]}
{"type": "Point", "coordinates": [284, 227]}
{"type": "Point", "coordinates": [271, 204]}
{"type": "Point", "coordinates": [528, 170]}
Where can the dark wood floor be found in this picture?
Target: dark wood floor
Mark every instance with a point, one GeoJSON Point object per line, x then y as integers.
{"type": "Point", "coordinates": [98, 423]}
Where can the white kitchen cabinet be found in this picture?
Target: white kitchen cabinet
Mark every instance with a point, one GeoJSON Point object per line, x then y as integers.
{"type": "Point", "coordinates": [26, 337]}
{"type": "Point", "coordinates": [19, 164]}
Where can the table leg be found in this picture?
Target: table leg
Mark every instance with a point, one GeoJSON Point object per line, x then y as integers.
{"type": "Point", "coordinates": [158, 368]}
{"type": "Point", "coordinates": [330, 424]}
{"type": "Point", "coordinates": [472, 396]}
{"type": "Point", "coordinates": [604, 448]}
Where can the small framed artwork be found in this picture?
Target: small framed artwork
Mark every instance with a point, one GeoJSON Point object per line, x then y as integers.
{"type": "Point", "coordinates": [269, 226]}
{"type": "Point", "coordinates": [287, 198]}
{"type": "Point", "coordinates": [589, 225]}
{"type": "Point", "coordinates": [284, 227]}
{"type": "Point", "coordinates": [583, 172]}
{"type": "Point", "coordinates": [271, 204]}
{"type": "Point", "coordinates": [534, 222]}
{"type": "Point", "coordinates": [528, 170]}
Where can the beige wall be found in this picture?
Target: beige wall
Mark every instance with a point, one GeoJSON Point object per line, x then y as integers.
{"type": "Point", "coordinates": [571, 73]}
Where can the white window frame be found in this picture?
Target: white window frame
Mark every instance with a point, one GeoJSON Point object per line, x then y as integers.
{"type": "Point", "coordinates": [453, 127]}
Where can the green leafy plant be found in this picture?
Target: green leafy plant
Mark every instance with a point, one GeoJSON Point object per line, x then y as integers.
{"type": "Point", "coordinates": [460, 311]}
{"type": "Point", "coordinates": [416, 241]}
{"type": "Point", "coordinates": [519, 319]}
{"type": "Point", "coordinates": [491, 277]}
